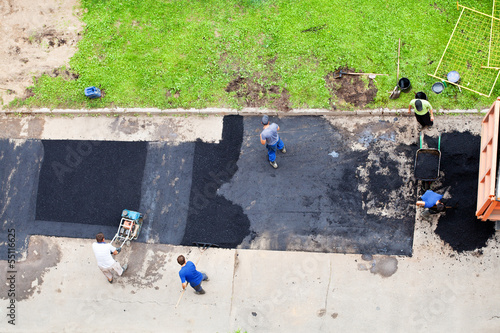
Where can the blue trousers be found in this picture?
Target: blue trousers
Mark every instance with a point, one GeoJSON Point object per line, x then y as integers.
{"type": "Point", "coordinates": [271, 149]}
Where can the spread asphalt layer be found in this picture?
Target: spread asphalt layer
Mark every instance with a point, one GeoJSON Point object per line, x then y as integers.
{"type": "Point", "coordinates": [212, 218]}
{"type": "Point", "coordinates": [459, 226]}
{"type": "Point", "coordinates": [325, 196]}
{"type": "Point", "coordinates": [89, 182]}
{"type": "Point", "coordinates": [336, 190]}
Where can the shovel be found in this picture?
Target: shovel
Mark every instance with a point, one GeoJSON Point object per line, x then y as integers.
{"type": "Point", "coordinates": [370, 75]}
{"type": "Point", "coordinates": [395, 92]}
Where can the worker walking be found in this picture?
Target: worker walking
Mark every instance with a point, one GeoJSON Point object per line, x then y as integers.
{"type": "Point", "coordinates": [105, 261]}
{"type": "Point", "coordinates": [423, 112]}
{"type": "Point", "coordinates": [272, 140]}
{"type": "Point", "coordinates": [189, 274]}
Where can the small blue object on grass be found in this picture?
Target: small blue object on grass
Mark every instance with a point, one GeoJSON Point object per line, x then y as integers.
{"type": "Point", "coordinates": [92, 92]}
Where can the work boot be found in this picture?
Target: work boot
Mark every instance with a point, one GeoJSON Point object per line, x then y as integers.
{"type": "Point", "coordinates": [426, 214]}
{"type": "Point", "coordinates": [274, 164]}
{"type": "Point", "coordinates": [283, 150]}
{"type": "Point", "coordinates": [201, 292]}
{"type": "Point", "coordinates": [124, 267]}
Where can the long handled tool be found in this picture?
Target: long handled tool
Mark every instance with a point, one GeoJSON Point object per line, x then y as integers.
{"type": "Point", "coordinates": [179, 300]}
{"type": "Point", "coordinates": [202, 247]}
{"type": "Point", "coordinates": [395, 92]}
{"type": "Point", "coordinates": [370, 75]}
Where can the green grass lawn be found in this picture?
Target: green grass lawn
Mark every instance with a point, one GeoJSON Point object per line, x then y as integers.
{"type": "Point", "coordinates": [183, 54]}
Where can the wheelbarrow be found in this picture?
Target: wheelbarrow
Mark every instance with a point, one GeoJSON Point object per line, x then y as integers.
{"type": "Point", "coordinates": [427, 163]}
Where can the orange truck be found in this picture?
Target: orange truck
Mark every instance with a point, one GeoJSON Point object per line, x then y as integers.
{"type": "Point", "coordinates": [488, 192]}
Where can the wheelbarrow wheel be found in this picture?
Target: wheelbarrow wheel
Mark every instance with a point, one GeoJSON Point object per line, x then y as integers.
{"type": "Point", "coordinates": [426, 185]}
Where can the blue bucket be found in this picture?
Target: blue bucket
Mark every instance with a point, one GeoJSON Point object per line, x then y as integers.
{"type": "Point", "coordinates": [92, 92]}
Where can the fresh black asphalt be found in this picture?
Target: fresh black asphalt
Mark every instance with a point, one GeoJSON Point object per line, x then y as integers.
{"type": "Point", "coordinates": [459, 226]}
{"type": "Point", "coordinates": [312, 202]}
{"type": "Point", "coordinates": [211, 217]}
{"type": "Point", "coordinates": [89, 182]}
{"type": "Point", "coordinates": [224, 193]}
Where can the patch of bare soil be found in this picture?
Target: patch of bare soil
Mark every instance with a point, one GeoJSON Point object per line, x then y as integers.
{"type": "Point", "coordinates": [252, 94]}
{"type": "Point", "coordinates": [64, 73]}
{"type": "Point", "coordinates": [36, 37]}
{"type": "Point", "coordinates": [348, 89]}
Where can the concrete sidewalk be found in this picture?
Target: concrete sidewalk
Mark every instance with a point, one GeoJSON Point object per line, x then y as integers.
{"type": "Point", "coordinates": [246, 111]}
{"type": "Point", "coordinates": [60, 289]}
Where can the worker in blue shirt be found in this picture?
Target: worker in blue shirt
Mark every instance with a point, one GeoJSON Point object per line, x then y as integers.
{"type": "Point", "coordinates": [432, 201]}
{"type": "Point", "coordinates": [189, 274]}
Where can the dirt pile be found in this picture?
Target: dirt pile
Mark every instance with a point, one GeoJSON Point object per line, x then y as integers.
{"type": "Point", "coordinates": [35, 37]}
{"type": "Point", "coordinates": [349, 90]}
{"type": "Point", "coordinates": [252, 94]}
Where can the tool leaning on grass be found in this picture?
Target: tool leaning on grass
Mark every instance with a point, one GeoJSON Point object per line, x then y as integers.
{"type": "Point", "coordinates": [396, 92]}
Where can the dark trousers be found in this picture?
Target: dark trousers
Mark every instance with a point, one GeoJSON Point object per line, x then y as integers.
{"type": "Point", "coordinates": [424, 120]}
{"type": "Point", "coordinates": [448, 204]}
{"type": "Point", "coordinates": [198, 287]}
